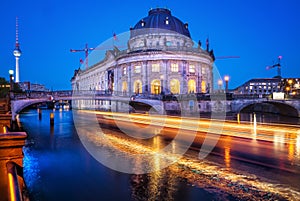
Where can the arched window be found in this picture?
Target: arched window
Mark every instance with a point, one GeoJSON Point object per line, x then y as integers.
{"type": "Point", "coordinates": [191, 86]}
{"type": "Point", "coordinates": [124, 87]}
{"type": "Point", "coordinates": [137, 87]}
{"type": "Point", "coordinates": [175, 86]}
{"type": "Point", "coordinates": [203, 86]}
{"type": "Point", "coordinates": [155, 87]}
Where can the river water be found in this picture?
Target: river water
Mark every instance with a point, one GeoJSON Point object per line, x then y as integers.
{"type": "Point", "coordinates": [58, 167]}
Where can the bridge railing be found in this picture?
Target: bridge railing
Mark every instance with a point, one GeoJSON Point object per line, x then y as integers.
{"type": "Point", "coordinates": [91, 93]}
{"type": "Point", "coordinates": [13, 172]}
{"type": "Point", "coordinates": [41, 94]}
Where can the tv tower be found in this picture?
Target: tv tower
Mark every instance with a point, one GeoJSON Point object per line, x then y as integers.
{"type": "Point", "coordinates": [17, 51]}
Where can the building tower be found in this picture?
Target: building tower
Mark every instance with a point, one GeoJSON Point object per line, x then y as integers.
{"type": "Point", "coordinates": [17, 51]}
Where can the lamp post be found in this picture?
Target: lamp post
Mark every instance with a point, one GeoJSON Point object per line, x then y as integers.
{"type": "Point", "coordinates": [220, 83]}
{"type": "Point", "coordinates": [11, 84]}
{"type": "Point", "coordinates": [10, 95]}
{"type": "Point", "coordinates": [226, 78]}
{"type": "Point", "coordinates": [290, 84]}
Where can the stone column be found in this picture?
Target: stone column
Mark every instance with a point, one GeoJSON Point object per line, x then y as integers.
{"type": "Point", "coordinates": [201, 78]}
{"type": "Point", "coordinates": [129, 80]}
{"type": "Point", "coordinates": [116, 80]}
{"type": "Point", "coordinates": [147, 79]}
{"type": "Point", "coordinates": [211, 79]}
{"type": "Point", "coordinates": [106, 81]}
{"type": "Point", "coordinates": [184, 77]}
{"type": "Point", "coordinates": [166, 77]}
{"type": "Point", "coordinates": [144, 76]}
{"type": "Point", "coordinates": [198, 71]}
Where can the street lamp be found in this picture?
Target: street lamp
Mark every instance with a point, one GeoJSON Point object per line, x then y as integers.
{"type": "Point", "coordinates": [290, 83]}
{"type": "Point", "coordinates": [11, 87]}
{"type": "Point", "coordinates": [226, 78]}
{"type": "Point", "coordinates": [287, 89]}
{"type": "Point", "coordinates": [220, 83]}
{"type": "Point", "coordinates": [11, 73]}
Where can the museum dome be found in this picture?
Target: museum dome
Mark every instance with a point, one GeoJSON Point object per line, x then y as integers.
{"type": "Point", "coordinates": [160, 18]}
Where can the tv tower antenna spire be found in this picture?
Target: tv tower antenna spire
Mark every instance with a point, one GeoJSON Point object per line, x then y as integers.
{"type": "Point", "coordinates": [17, 51]}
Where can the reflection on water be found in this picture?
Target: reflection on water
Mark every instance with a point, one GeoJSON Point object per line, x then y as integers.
{"type": "Point", "coordinates": [57, 166]}
{"type": "Point", "coordinates": [227, 143]}
{"type": "Point", "coordinates": [269, 118]}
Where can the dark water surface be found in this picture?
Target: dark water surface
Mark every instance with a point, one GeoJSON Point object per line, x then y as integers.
{"type": "Point", "coordinates": [58, 168]}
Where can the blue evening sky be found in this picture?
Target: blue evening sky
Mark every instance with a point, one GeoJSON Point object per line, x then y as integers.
{"type": "Point", "coordinates": [258, 31]}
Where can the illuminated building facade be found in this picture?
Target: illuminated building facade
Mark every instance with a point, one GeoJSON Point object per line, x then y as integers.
{"type": "Point", "coordinates": [260, 86]}
{"type": "Point", "coordinates": [160, 58]}
{"type": "Point", "coordinates": [267, 86]}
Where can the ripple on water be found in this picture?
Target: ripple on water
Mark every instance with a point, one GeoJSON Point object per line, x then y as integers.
{"type": "Point", "coordinates": [31, 169]}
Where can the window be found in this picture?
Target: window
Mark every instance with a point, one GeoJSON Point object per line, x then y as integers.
{"type": "Point", "coordinates": [191, 86]}
{"type": "Point", "coordinates": [203, 86]}
{"type": "Point", "coordinates": [155, 68]}
{"type": "Point", "coordinates": [174, 67]}
{"type": "Point", "coordinates": [124, 87]}
{"type": "Point", "coordinates": [168, 43]}
{"type": "Point", "coordinates": [175, 86]}
{"type": "Point", "coordinates": [124, 70]}
{"type": "Point", "coordinates": [137, 87]}
{"type": "Point", "coordinates": [167, 21]}
{"type": "Point", "coordinates": [192, 69]}
{"type": "Point", "coordinates": [137, 69]}
{"type": "Point", "coordinates": [203, 70]}
{"type": "Point", "coordinates": [155, 87]}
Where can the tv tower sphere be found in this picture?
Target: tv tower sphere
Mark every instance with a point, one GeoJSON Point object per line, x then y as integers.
{"type": "Point", "coordinates": [17, 52]}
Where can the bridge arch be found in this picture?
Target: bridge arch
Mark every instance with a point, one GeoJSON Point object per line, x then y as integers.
{"type": "Point", "coordinates": [20, 105]}
{"type": "Point", "coordinates": [147, 105]}
{"type": "Point", "coordinates": [270, 107]}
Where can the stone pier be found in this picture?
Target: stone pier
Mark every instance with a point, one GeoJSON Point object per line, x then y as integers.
{"type": "Point", "coordinates": [11, 145]}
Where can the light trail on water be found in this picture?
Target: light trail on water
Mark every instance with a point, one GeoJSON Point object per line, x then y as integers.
{"type": "Point", "coordinates": [200, 172]}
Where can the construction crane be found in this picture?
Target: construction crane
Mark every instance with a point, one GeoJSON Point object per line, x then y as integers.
{"type": "Point", "coordinates": [86, 50]}
{"type": "Point", "coordinates": [278, 65]}
{"type": "Point", "coordinates": [211, 52]}
{"type": "Point", "coordinates": [227, 57]}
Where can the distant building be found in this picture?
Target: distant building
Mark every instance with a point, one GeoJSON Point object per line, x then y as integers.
{"type": "Point", "coordinates": [27, 86]}
{"type": "Point", "coordinates": [266, 86]}
{"type": "Point", "coordinates": [290, 86]}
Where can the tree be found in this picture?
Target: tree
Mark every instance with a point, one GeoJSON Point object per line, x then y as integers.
{"type": "Point", "coordinates": [4, 87]}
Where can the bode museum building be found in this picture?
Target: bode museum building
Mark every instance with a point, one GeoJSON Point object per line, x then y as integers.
{"type": "Point", "coordinates": [160, 58]}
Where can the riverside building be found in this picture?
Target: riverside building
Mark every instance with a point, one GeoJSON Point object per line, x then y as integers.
{"type": "Point", "coordinates": [160, 58]}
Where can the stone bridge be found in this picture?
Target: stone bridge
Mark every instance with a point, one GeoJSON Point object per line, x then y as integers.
{"type": "Point", "coordinates": [85, 100]}
{"type": "Point", "coordinates": [20, 101]}
{"type": "Point", "coordinates": [288, 107]}
{"type": "Point", "coordinates": [123, 103]}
